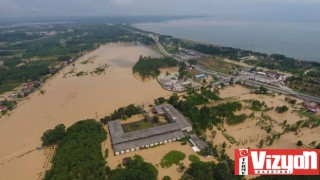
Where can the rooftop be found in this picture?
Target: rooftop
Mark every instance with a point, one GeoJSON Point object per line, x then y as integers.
{"type": "Point", "coordinates": [128, 140]}
{"type": "Point", "coordinates": [201, 144]}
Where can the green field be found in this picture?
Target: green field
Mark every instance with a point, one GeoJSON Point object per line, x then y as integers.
{"type": "Point", "coordinates": [138, 125]}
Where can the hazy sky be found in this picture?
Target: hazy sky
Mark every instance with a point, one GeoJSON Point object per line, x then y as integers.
{"type": "Point", "coordinates": [286, 9]}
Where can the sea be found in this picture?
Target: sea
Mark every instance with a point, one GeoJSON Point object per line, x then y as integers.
{"type": "Point", "coordinates": [300, 40]}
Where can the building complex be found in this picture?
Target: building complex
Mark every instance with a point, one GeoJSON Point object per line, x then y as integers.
{"type": "Point", "coordinates": [177, 128]}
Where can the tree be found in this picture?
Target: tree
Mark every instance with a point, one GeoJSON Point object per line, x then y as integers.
{"type": "Point", "coordinates": [160, 100]}
{"type": "Point", "coordinates": [282, 109]}
{"type": "Point", "coordinates": [261, 143]}
{"type": "Point", "coordinates": [204, 81]}
{"type": "Point", "coordinates": [299, 143]}
{"type": "Point", "coordinates": [263, 90]}
{"type": "Point", "coordinates": [134, 168]}
{"type": "Point", "coordinates": [79, 153]}
{"type": "Point", "coordinates": [174, 99]}
{"type": "Point", "coordinates": [166, 178]}
{"type": "Point", "coordinates": [53, 136]}
{"type": "Point", "coordinates": [155, 119]}
{"type": "Point", "coordinates": [224, 145]}
{"type": "Point", "coordinates": [213, 134]}
{"type": "Point", "coordinates": [192, 61]}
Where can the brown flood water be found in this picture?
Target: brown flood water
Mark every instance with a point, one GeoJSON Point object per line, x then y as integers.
{"type": "Point", "coordinates": [70, 99]}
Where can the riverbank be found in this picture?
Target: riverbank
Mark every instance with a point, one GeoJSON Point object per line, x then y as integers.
{"type": "Point", "coordinates": [68, 99]}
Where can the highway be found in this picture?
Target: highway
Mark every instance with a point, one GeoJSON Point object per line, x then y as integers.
{"type": "Point", "coordinates": [226, 77]}
{"type": "Point", "coordinates": [161, 48]}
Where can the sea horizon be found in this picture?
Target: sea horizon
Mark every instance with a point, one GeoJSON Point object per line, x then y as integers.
{"type": "Point", "coordinates": [299, 40]}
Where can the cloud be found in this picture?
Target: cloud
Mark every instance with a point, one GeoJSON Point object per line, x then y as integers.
{"type": "Point", "coordinates": [9, 6]}
{"type": "Point", "coordinates": [22, 8]}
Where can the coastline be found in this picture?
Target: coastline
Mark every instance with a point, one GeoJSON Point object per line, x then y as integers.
{"type": "Point", "coordinates": [229, 33]}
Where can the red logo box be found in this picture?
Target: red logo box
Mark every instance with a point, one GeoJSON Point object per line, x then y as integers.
{"type": "Point", "coordinates": [277, 161]}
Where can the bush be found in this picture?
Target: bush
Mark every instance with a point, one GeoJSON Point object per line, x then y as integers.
{"type": "Point", "coordinates": [106, 153]}
{"type": "Point", "coordinates": [299, 143]}
{"type": "Point", "coordinates": [166, 178]}
{"type": "Point", "coordinates": [173, 157]}
{"type": "Point", "coordinates": [282, 109]}
{"type": "Point", "coordinates": [256, 105]}
{"type": "Point", "coordinates": [194, 158]}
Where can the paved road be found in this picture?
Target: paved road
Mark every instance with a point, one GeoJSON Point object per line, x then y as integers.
{"type": "Point", "coordinates": [226, 77]}
{"type": "Point", "coordinates": [161, 48]}
{"type": "Point", "coordinates": [285, 91]}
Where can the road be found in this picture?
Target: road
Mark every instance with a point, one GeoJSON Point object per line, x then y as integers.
{"type": "Point", "coordinates": [226, 77]}
{"type": "Point", "coordinates": [161, 48]}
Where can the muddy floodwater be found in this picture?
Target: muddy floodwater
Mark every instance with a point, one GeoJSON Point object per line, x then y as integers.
{"type": "Point", "coordinates": [78, 92]}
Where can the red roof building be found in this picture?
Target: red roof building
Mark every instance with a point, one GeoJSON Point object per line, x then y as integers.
{"type": "Point", "coordinates": [2, 108]}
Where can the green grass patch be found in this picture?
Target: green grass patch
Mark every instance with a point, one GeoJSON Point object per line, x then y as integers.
{"type": "Point", "coordinates": [194, 158]}
{"type": "Point", "coordinates": [7, 87]}
{"type": "Point", "coordinates": [138, 125]}
{"type": "Point", "coordinates": [173, 157]}
{"type": "Point", "coordinates": [236, 119]}
{"type": "Point", "coordinates": [217, 65]}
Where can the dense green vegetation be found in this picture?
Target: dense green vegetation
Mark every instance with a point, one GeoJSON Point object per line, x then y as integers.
{"type": "Point", "coordinates": [211, 171]}
{"type": "Point", "coordinates": [122, 113]}
{"type": "Point", "coordinates": [7, 87]}
{"type": "Point", "coordinates": [149, 67]}
{"type": "Point", "coordinates": [134, 168]}
{"type": "Point", "coordinates": [204, 117]}
{"type": "Point", "coordinates": [200, 118]}
{"type": "Point", "coordinates": [53, 136]}
{"type": "Point", "coordinates": [172, 157]}
{"type": "Point", "coordinates": [227, 52]}
{"type": "Point", "coordinates": [79, 154]}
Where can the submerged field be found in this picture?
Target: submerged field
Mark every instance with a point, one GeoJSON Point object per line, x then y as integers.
{"type": "Point", "coordinates": [69, 98]}
{"type": "Point", "coordinates": [102, 81]}
{"type": "Point", "coordinates": [254, 132]}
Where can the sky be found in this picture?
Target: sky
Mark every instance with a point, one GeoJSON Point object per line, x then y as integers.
{"type": "Point", "coordinates": [304, 10]}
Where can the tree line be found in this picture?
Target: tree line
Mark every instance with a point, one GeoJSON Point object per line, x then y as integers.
{"type": "Point", "coordinates": [78, 155]}
{"type": "Point", "coordinates": [122, 113]}
{"type": "Point", "coordinates": [149, 67]}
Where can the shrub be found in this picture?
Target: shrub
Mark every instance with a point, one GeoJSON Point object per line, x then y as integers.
{"type": "Point", "coordinates": [282, 109]}
{"type": "Point", "coordinates": [194, 158]}
{"type": "Point", "coordinates": [173, 157]}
